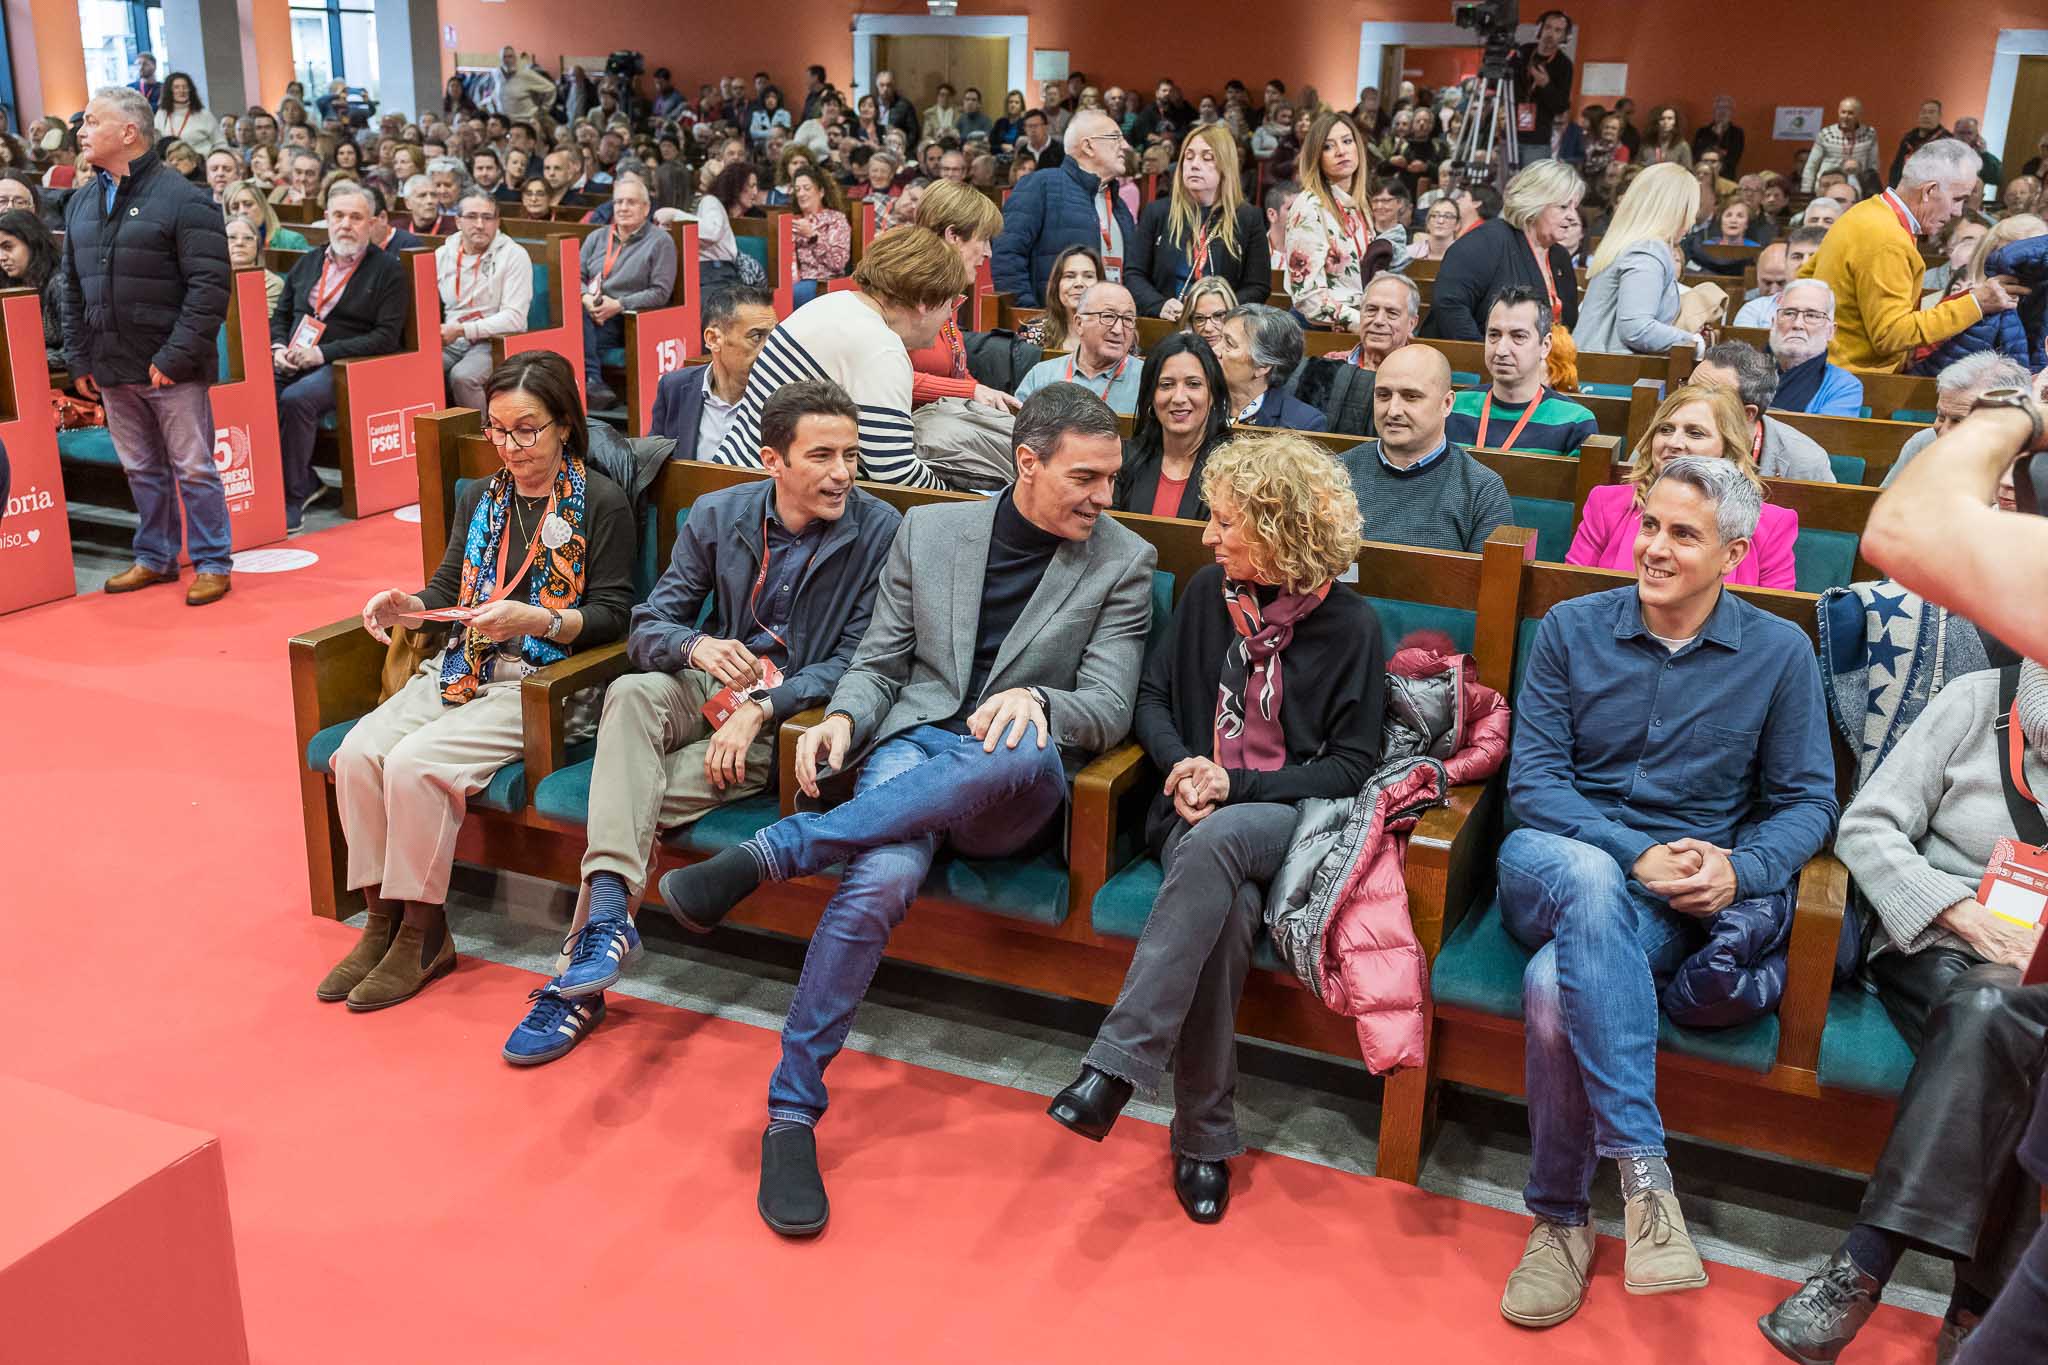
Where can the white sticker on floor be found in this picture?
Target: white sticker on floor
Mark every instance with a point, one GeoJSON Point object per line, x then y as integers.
{"type": "Point", "coordinates": [274, 561]}
{"type": "Point", "coordinates": [409, 512]}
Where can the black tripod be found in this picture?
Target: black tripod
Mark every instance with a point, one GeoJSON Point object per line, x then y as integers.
{"type": "Point", "coordinates": [1486, 150]}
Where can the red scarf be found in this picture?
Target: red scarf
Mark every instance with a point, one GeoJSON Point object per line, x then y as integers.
{"type": "Point", "coordinates": [1248, 695]}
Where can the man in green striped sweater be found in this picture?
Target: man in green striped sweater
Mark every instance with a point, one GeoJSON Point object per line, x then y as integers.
{"type": "Point", "coordinates": [1520, 411]}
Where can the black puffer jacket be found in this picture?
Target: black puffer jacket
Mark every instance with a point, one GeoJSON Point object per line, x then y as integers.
{"type": "Point", "coordinates": [146, 284]}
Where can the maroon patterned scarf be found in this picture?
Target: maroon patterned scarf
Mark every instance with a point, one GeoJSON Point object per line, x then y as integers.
{"type": "Point", "coordinates": [1248, 733]}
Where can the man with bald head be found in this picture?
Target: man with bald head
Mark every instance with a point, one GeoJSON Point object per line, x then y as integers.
{"type": "Point", "coordinates": [1414, 486]}
{"type": "Point", "coordinates": [1073, 204]}
{"type": "Point", "coordinates": [1105, 359]}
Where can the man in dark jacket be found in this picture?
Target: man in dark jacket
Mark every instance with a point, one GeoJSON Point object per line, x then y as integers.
{"type": "Point", "coordinates": [694, 405]}
{"type": "Point", "coordinates": [1073, 204]}
{"type": "Point", "coordinates": [146, 282]}
{"type": "Point", "coordinates": [789, 565]}
{"type": "Point", "coordinates": [346, 300]}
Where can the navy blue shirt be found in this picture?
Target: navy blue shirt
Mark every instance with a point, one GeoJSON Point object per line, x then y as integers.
{"type": "Point", "coordinates": [767, 620]}
{"type": "Point", "coordinates": [1622, 744]}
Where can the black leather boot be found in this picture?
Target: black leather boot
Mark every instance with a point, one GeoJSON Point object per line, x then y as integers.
{"type": "Point", "coordinates": [1203, 1187]}
{"type": "Point", "coordinates": [1090, 1105]}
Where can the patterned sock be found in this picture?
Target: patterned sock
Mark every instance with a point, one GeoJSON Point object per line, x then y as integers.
{"type": "Point", "coordinates": [607, 896]}
{"type": "Point", "coordinates": [1876, 1252]}
{"type": "Point", "coordinates": [1639, 1173]}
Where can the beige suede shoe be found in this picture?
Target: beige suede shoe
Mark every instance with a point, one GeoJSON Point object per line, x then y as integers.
{"type": "Point", "coordinates": [1661, 1256]}
{"type": "Point", "coordinates": [406, 969]}
{"type": "Point", "coordinates": [1550, 1283]}
{"type": "Point", "coordinates": [368, 952]}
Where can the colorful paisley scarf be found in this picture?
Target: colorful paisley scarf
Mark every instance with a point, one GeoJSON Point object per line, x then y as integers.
{"type": "Point", "coordinates": [556, 580]}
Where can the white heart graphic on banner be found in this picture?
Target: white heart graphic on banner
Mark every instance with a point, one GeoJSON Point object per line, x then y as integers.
{"type": "Point", "coordinates": [35, 535]}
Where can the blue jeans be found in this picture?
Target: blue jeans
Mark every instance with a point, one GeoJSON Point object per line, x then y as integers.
{"type": "Point", "coordinates": [914, 789]}
{"type": "Point", "coordinates": [165, 440]}
{"type": "Point", "coordinates": [302, 400]}
{"type": "Point", "coordinates": [1604, 947]}
{"type": "Point", "coordinates": [595, 339]}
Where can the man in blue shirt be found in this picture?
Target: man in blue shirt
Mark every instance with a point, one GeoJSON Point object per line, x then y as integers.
{"type": "Point", "coordinates": [1671, 758]}
{"type": "Point", "coordinates": [1800, 332]}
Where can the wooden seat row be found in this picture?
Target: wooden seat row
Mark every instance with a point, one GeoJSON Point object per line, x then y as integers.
{"type": "Point", "coordinates": [1067, 926]}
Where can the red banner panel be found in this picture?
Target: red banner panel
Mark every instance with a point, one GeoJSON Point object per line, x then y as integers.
{"type": "Point", "coordinates": [35, 529]}
{"type": "Point", "coordinates": [376, 399]}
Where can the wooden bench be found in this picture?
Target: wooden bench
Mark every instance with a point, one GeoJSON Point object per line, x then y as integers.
{"type": "Point", "coordinates": [1865, 447]}
{"type": "Point", "coordinates": [1888, 397]}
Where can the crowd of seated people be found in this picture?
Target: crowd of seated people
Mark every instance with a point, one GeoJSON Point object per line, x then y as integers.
{"type": "Point", "coordinates": [1614, 863]}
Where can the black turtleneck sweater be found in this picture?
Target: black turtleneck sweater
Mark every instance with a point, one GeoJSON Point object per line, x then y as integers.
{"type": "Point", "coordinates": [1017, 555]}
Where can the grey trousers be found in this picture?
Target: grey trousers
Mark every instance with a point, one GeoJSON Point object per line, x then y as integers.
{"type": "Point", "coordinates": [467, 365]}
{"type": "Point", "coordinates": [1179, 1001]}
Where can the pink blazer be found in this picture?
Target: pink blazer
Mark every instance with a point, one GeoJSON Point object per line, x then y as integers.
{"type": "Point", "coordinates": [1606, 539]}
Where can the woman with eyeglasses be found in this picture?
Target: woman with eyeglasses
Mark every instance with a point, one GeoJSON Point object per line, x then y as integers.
{"type": "Point", "coordinates": [539, 566]}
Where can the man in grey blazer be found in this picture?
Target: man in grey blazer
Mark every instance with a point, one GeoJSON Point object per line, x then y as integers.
{"type": "Point", "coordinates": [1024, 620]}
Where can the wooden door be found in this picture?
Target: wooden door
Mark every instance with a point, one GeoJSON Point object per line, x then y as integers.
{"type": "Point", "coordinates": [2029, 118]}
{"type": "Point", "coordinates": [919, 63]}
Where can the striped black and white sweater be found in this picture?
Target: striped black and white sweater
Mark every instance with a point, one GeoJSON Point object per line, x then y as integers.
{"type": "Point", "coordinates": [840, 337]}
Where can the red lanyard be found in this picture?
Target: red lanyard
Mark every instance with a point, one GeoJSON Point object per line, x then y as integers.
{"type": "Point", "coordinates": [505, 546]}
{"type": "Point", "coordinates": [1198, 255]}
{"type": "Point", "coordinates": [1356, 230]}
{"type": "Point", "coordinates": [760, 579]}
{"type": "Point", "coordinates": [1899, 211]}
{"type": "Point", "coordinates": [1542, 255]}
{"type": "Point", "coordinates": [1486, 414]}
{"type": "Point", "coordinates": [2017, 738]}
{"type": "Point", "coordinates": [459, 254]}
{"type": "Point", "coordinates": [326, 296]}
{"type": "Point", "coordinates": [179, 131]}
{"type": "Point", "coordinates": [611, 253]}
{"type": "Point", "coordinates": [950, 334]}
{"type": "Point", "coordinates": [1110, 383]}
{"type": "Point", "coordinates": [1756, 443]}
{"type": "Point", "coordinates": [1108, 220]}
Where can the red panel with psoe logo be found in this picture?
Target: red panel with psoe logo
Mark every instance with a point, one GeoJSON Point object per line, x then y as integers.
{"type": "Point", "coordinates": [35, 529]}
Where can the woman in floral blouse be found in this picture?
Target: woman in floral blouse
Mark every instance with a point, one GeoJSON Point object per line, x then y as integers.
{"type": "Point", "coordinates": [824, 239]}
{"type": "Point", "coordinates": [1327, 230]}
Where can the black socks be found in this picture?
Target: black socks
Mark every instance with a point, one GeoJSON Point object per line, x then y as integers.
{"type": "Point", "coordinates": [1876, 1252]}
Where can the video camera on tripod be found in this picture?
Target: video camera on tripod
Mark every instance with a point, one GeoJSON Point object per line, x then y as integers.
{"type": "Point", "coordinates": [1495, 22]}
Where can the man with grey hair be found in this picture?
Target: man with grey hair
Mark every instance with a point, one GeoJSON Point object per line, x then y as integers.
{"type": "Point", "coordinates": [303, 182]}
{"type": "Point", "coordinates": [139, 329]}
{"type": "Point", "coordinates": [1871, 260]}
{"type": "Point", "coordinates": [1340, 386]}
{"type": "Point", "coordinates": [486, 285]}
{"type": "Point", "coordinates": [1821, 212]}
{"type": "Point", "coordinates": [1800, 331]}
{"type": "Point", "coordinates": [450, 178]}
{"type": "Point", "coordinates": [1781, 451]}
{"type": "Point", "coordinates": [1073, 204]}
{"type": "Point", "coordinates": [1641, 824]}
{"type": "Point", "coordinates": [1956, 391]}
{"type": "Point", "coordinates": [1104, 360]}
{"type": "Point", "coordinates": [1259, 348]}
{"type": "Point", "coordinates": [629, 266]}
{"type": "Point", "coordinates": [341, 301]}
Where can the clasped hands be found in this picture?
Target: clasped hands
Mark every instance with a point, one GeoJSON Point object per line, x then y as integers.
{"type": "Point", "coordinates": [1198, 786]}
{"type": "Point", "coordinates": [296, 359]}
{"type": "Point", "coordinates": [1692, 876]}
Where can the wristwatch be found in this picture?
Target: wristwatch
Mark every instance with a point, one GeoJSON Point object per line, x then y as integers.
{"type": "Point", "coordinates": [767, 707]}
{"type": "Point", "coordinates": [2010, 396]}
{"type": "Point", "coordinates": [554, 624]}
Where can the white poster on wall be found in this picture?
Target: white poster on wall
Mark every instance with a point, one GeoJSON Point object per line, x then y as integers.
{"type": "Point", "coordinates": [1604, 79]}
{"type": "Point", "coordinates": [1796, 123]}
{"type": "Point", "coordinates": [1049, 64]}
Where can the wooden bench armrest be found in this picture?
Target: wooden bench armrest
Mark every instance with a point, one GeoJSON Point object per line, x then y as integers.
{"type": "Point", "coordinates": [544, 704]}
{"type": "Point", "coordinates": [1810, 961]}
{"type": "Point", "coordinates": [1450, 859]}
{"type": "Point", "coordinates": [336, 671]}
{"type": "Point", "coordinates": [787, 735]}
{"type": "Point", "coordinates": [1099, 789]}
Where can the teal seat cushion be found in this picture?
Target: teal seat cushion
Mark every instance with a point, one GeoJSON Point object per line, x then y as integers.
{"type": "Point", "coordinates": [1859, 1047]}
{"type": "Point", "coordinates": [1553, 521]}
{"type": "Point", "coordinates": [1918, 416]}
{"type": "Point", "coordinates": [89, 445]}
{"type": "Point", "coordinates": [565, 795]}
{"type": "Point", "coordinates": [1824, 559]}
{"type": "Point", "coordinates": [538, 313]}
{"type": "Point", "coordinates": [1125, 902]}
{"type": "Point", "coordinates": [220, 345]}
{"type": "Point", "coordinates": [1848, 468]}
{"type": "Point", "coordinates": [328, 422]}
{"type": "Point", "coordinates": [320, 748]}
{"type": "Point", "coordinates": [612, 357]}
{"type": "Point", "coordinates": [1399, 620]}
{"type": "Point", "coordinates": [1606, 390]}
{"type": "Point", "coordinates": [1525, 641]}
{"type": "Point", "coordinates": [757, 247]}
{"type": "Point", "coordinates": [1032, 888]}
{"type": "Point", "coordinates": [1465, 379]}
{"type": "Point", "coordinates": [1863, 411]}
{"type": "Point", "coordinates": [1480, 969]}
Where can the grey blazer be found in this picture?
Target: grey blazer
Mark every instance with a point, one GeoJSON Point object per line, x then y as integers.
{"type": "Point", "coordinates": [1081, 638]}
{"type": "Point", "coordinates": [1631, 305]}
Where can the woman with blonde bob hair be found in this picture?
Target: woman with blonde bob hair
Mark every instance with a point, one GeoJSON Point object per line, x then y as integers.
{"type": "Point", "coordinates": [1267, 689]}
{"type": "Point", "coordinates": [1203, 230]}
{"type": "Point", "coordinates": [1523, 246]}
{"type": "Point", "coordinates": [1329, 235]}
{"type": "Point", "coordinates": [1693, 420]}
{"type": "Point", "coordinates": [1632, 281]}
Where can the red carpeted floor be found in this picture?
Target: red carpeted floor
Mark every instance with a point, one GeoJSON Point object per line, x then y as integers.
{"type": "Point", "coordinates": [401, 1195]}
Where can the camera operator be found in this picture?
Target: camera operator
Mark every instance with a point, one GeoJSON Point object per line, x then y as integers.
{"type": "Point", "coordinates": [1543, 82]}
{"type": "Point", "coordinates": [1939, 531]}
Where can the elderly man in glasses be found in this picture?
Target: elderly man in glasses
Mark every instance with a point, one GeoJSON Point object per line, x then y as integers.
{"type": "Point", "coordinates": [1105, 358]}
{"type": "Point", "coordinates": [1800, 332]}
{"type": "Point", "coordinates": [1074, 204]}
{"type": "Point", "coordinates": [486, 286]}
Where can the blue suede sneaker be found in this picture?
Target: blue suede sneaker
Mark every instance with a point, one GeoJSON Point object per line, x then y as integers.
{"type": "Point", "coordinates": [598, 955]}
{"type": "Point", "coordinates": [551, 1027]}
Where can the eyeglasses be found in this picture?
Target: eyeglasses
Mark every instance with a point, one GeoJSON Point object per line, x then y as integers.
{"type": "Point", "coordinates": [520, 438]}
{"type": "Point", "coordinates": [1111, 321]}
{"type": "Point", "coordinates": [1810, 315]}
{"type": "Point", "coordinates": [478, 218]}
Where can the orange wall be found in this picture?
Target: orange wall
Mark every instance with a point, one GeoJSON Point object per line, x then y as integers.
{"type": "Point", "coordinates": [1893, 53]}
{"type": "Point", "coordinates": [49, 57]}
{"type": "Point", "coordinates": [268, 34]}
